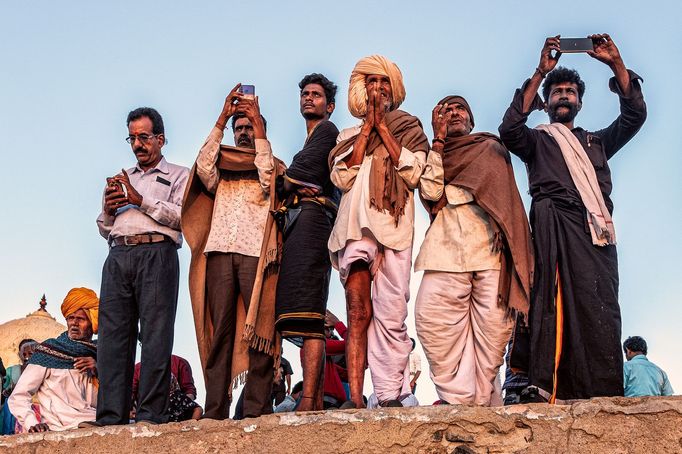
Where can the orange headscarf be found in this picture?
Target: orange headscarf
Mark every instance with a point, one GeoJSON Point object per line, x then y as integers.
{"type": "Point", "coordinates": [82, 298]}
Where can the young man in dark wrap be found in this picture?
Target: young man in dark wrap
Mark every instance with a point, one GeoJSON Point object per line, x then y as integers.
{"type": "Point", "coordinates": [476, 256]}
{"type": "Point", "coordinates": [377, 165]}
{"type": "Point", "coordinates": [224, 216]}
{"type": "Point", "coordinates": [308, 211]}
{"type": "Point", "coordinates": [574, 317]}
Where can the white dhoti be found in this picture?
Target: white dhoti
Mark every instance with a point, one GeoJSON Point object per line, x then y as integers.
{"type": "Point", "coordinates": [464, 332]}
{"type": "Point", "coordinates": [388, 345]}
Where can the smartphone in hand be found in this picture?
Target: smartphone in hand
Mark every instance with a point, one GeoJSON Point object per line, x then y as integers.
{"type": "Point", "coordinates": [249, 91]}
{"type": "Point", "coordinates": [574, 45]}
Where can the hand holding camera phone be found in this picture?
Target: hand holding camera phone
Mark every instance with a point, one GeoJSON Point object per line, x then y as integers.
{"type": "Point", "coordinates": [116, 185]}
{"type": "Point", "coordinates": [249, 91]}
{"type": "Point", "coordinates": [575, 45]}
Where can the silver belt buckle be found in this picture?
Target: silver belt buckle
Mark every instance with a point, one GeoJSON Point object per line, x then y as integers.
{"type": "Point", "coordinates": [125, 241]}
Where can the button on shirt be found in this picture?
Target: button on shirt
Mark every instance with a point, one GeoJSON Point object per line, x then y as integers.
{"type": "Point", "coordinates": [460, 239]}
{"type": "Point", "coordinates": [641, 377]}
{"type": "Point", "coordinates": [355, 213]}
{"type": "Point", "coordinates": [242, 200]}
{"type": "Point", "coordinates": [162, 189]}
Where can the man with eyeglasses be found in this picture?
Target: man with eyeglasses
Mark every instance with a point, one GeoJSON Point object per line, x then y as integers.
{"type": "Point", "coordinates": [140, 219]}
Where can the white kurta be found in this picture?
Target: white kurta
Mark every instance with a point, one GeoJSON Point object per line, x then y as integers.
{"type": "Point", "coordinates": [460, 239]}
{"type": "Point", "coordinates": [355, 213]}
{"type": "Point", "coordinates": [66, 397]}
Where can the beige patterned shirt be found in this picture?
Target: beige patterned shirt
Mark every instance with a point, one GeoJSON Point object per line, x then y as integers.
{"type": "Point", "coordinates": [242, 198]}
{"type": "Point", "coordinates": [460, 239]}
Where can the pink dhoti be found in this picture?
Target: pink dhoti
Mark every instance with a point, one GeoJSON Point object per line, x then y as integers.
{"type": "Point", "coordinates": [388, 345]}
{"type": "Point", "coordinates": [464, 332]}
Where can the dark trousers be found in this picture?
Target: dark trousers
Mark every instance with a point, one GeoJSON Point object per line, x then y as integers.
{"type": "Point", "coordinates": [138, 283]}
{"type": "Point", "coordinates": [228, 275]}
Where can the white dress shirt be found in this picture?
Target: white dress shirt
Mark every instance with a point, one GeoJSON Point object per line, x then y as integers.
{"type": "Point", "coordinates": [162, 189]}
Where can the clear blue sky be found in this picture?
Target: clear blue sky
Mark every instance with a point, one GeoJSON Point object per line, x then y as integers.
{"type": "Point", "coordinates": [71, 71]}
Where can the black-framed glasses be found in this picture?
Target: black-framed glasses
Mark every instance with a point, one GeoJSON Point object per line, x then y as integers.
{"type": "Point", "coordinates": [144, 138]}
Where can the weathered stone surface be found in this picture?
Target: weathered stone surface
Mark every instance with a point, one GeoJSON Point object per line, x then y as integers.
{"type": "Point", "coordinates": [616, 425]}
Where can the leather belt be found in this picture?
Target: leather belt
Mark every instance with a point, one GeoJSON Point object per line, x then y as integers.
{"type": "Point", "coordinates": [134, 240]}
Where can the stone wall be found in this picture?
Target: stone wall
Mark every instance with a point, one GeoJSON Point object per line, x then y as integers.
{"type": "Point", "coordinates": [603, 425]}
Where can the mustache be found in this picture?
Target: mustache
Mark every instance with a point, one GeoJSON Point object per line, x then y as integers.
{"type": "Point", "coordinates": [566, 104]}
{"type": "Point", "coordinates": [140, 150]}
{"type": "Point", "coordinates": [554, 115]}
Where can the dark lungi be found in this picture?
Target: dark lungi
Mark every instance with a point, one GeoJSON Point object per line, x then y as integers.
{"type": "Point", "coordinates": [303, 285]}
{"type": "Point", "coordinates": [590, 358]}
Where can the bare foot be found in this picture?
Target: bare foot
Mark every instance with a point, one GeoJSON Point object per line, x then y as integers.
{"type": "Point", "coordinates": [306, 404]}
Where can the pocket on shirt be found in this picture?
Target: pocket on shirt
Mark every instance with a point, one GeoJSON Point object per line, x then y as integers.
{"type": "Point", "coordinates": [161, 190]}
{"type": "Point", "coordinates": [595, 151]}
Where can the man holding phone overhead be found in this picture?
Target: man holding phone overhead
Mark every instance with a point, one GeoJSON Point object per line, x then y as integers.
{"type": "Point", "coordinates": [224, 217]}
{"type": "Point", "coordinates": [574, 317]}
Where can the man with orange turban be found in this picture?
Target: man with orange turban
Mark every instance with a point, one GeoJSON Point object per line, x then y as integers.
{"type": "Point", "coordinates": [377, 165]}
{"type": "Point", "coordinates": [62, 374]}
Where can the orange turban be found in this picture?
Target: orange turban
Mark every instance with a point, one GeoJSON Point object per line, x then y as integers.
{"type": "Point", "coordinates": [82, 298]}
{"type": "Point", "coordinates": [374, 64]}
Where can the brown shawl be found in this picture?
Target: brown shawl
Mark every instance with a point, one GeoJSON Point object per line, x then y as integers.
{"type": "Point", "coordinates": [387, 190]}
{"type": "Point", "coordinates": [480, 164]}
{"type": "Point", "coordinates": [197, 212]}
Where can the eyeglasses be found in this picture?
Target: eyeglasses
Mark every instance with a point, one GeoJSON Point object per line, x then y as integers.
{"type": "Point", "coordinates": [144, 138]}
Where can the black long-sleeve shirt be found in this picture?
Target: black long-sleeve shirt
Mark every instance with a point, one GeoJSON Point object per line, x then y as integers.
{"type": "Point", "coordinates": [548, 174]}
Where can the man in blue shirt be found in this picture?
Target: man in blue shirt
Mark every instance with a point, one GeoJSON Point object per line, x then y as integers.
{"type": "Point", "coordinates": [640, 376]}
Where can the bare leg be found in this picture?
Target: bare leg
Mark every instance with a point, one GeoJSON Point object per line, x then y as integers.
{"type": "Point", "coordinates": [319, 396]}
{"type": "Point", "coordinates": [313, 359]}
{"type": "Point", "coordinates": [359, 309]}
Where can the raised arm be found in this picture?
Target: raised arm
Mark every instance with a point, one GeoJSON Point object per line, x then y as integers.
{"type": "Point", "coordinates": [208, 155]}
{"type": "Point", "coordinates": [431, 182]}
{"type": "Point", "coordinates": [626, 84]}
{"type": "Point", "coordinates": [265, 162]}
{"type": "Point", "coordinates": [518, 137]}
{"type": "Point", "coordinates": [547, 63]}
{"type": "Point", "coordinates": [606, 51]}
{"type": "Point", "coordinates": [379, 110]}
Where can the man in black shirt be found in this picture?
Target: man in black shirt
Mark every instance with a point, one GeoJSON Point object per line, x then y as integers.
{"type": "Point", "coordinates": [575, 317]}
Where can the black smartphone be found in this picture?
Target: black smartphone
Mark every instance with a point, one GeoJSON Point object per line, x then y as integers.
{"type": "Point", "coordinates": [572, 45]}
{"type": "Point", "coordinates": [249, 91]}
